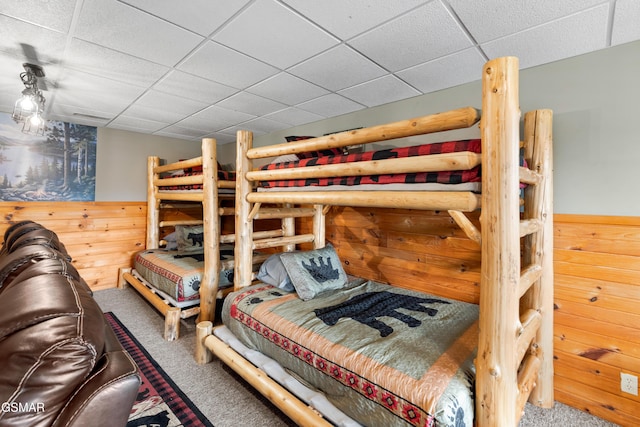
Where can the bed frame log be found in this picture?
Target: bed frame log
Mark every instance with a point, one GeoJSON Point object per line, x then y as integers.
{"type": "Point", "coordinates": [515, 348]}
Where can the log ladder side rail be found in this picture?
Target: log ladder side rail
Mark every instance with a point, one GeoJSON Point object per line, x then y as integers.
{"type": "Point", "coordinates": [535, 379]}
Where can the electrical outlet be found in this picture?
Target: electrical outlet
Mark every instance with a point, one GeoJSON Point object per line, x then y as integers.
{"type": "Point", "coordinates": [629, 383]}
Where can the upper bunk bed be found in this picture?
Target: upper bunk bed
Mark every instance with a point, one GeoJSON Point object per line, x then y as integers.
{"type": "Point", "coordinates": [508, 349]}
{"type": "Point", "coordinates": [183, 276]}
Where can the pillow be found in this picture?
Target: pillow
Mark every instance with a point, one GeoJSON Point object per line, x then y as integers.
{"type": "Point", "coordinates": [272, 271]}
{"type": "Point", "coordinates": [190, 238]}
{"type": "Point", "coordinates": [285, 158]}
{"type": "Point", "coordinates": [311, 154]}
{"type": "Point", "coordinates": [172, 241]}
{"type": "Point", "coordinates": [313, 272]}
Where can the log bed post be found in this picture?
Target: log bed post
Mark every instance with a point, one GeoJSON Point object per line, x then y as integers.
{"type": "Point", "coordinates": [496, 366]}
{"type": "Point", "coordinates": [211, 228]}
{"type": "Point", "coordinates": [153, 204]}
{"type": "Point", "coordinates": [244, 227]}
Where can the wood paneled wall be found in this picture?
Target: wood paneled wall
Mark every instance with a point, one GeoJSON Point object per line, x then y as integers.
{"type": "Point", "coordinates": [597, 314]}
{"type": "Point", "coordinates": [597, 277]}
{"type": "Point", "coordinates": [99, 236]}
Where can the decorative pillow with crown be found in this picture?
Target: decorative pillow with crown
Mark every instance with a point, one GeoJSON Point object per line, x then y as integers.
{"type": "Point", "coordinates": [313, 272]}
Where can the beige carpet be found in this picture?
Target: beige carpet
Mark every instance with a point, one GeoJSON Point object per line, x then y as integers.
{"type": "Point", "coordinates": [224, 398]}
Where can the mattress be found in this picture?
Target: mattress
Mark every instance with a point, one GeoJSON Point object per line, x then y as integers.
{"type": "Point", "coordinates": [383, 355]}
{"type": "Point", "coordinates": [179, 274]}
{"type": "Point", "coordinates": [441, 178]}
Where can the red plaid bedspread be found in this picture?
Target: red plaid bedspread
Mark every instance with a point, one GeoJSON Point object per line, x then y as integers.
{"type": "Point", "coordinates": [448, 177]}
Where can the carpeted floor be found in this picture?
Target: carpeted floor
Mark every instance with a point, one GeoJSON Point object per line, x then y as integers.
{"type": "Point", "coordinates": [223, 398]}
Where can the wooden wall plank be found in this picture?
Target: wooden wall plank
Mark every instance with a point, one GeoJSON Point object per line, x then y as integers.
{"type": "Point", "coordinates": [101, 237]}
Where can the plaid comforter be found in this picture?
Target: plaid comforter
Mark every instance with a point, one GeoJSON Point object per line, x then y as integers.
{"type": "Point", "coordinates": [448, 177]}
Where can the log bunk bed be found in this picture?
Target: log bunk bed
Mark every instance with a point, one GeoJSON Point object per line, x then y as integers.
{"type": "Point", "coordinates": [511, 328]}
{"type": "Point", "coordinates": [174, 187]}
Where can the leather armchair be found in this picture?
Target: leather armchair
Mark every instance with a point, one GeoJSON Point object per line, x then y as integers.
{"type": "Point", "coordinates": [61, 363]}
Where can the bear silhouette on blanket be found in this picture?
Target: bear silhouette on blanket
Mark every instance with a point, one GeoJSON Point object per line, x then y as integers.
{"type": "Point", "coordinates": [366, 308]}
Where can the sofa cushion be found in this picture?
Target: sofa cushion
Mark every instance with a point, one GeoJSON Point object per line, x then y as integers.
{"type": "Point", "coordinates": [51, 336]}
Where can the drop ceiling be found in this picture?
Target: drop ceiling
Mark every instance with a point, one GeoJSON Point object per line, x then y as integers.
{"type": "Point", "coordinates": [196, 68]}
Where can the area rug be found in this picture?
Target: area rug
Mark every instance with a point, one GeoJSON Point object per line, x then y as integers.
{"type": "Point", "coordinates": [160, 402]}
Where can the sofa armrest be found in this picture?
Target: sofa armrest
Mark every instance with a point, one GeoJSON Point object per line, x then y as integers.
{"type": "Point", "coordinates": [107, 396]}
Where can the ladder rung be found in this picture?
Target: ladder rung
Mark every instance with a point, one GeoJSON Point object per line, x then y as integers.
{"type": "Point", "coordinates": [282, 241]}
{"type": "Point", "coordinates": [530, 226]}
{"type": "Point", "coordinates": [528, 277]}
{"type": "Point", "coordinates": [530, 322]}
{"type": "Point", "coordinates": [278, 213]}
{"type": "Point", "coordinates": [527, 176]}
{"type": "Point", "coordinates": [180, 222]}
{"type": "Point", "coordinates": [527, 381]}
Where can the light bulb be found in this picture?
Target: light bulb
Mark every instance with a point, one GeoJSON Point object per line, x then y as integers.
{"type": "Point", "coordinates": [27, 103]}
{"type": "Point", "coordinates": [36, 119]}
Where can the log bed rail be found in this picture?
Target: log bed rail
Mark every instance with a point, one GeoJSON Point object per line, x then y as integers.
{"type": "Point", "coordinates": [515, 348]}
{"type": "Point", "coordinates": [209, 198]}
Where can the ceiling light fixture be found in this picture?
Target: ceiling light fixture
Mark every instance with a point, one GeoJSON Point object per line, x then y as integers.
{"type": "Point", "coordinates": [29, 108]}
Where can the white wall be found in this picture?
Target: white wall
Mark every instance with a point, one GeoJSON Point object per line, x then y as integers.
{"type": "Point", "coordinates": [121, 169]}
{"type": "Point", "coordinates": [596, 102]}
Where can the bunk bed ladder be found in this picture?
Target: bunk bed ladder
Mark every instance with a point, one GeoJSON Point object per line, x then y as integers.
{"type": "Point", "coordinates": [514, 361]}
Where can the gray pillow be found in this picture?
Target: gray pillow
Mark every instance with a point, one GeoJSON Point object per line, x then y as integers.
{"type": "Point", "coordinates": [313, 272]}
{"type": "Point", "coordinates": [190, 239]}
{"type": "Point", "coordinates": [272, 271]}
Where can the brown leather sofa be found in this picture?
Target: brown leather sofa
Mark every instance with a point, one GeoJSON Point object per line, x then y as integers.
{"type": "Point", "coordinates": [60, 362]}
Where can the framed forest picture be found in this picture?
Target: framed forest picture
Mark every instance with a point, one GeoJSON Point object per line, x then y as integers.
{"type": "Point", "coordinates": [58, 166]}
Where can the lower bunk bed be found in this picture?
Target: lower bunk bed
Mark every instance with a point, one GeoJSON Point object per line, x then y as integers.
{"type": "Point", "coordinates": [382, 354]}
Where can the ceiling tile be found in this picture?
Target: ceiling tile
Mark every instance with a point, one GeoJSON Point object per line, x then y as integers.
{"type": "Point", "coordinates": [126, 29]}
{"type": "Point", "coordinates": [627, 22]}
{"type": "Point", "coordinates": [219, 63]}
{"type": "Point", "coordinates": [200, 16]}
{"type": "Point", "coordinates": [79, 115]}
{"type": "Point", "coordinates": [288, 89]}
{"type": "Point", "coordinates": [346, 19]}
{"type": "Point", "coordinates": [136, 124]}
{"type": "Point", "coordinates": [215, 118]}
{"type": "Point", "coordinates": [258, 126]}
{"type": "Point", "coordinates": [98, 60]}
{"type": "Point", "coordinates": [153, 106]}
{"type": "Point", "coordinates": [380, 91]}
{"type": "Point", "coordinates": [445, 72]}
{"type": "Point", "coordinates": [330, 105]}
{"type": "Point", "coordinates": [30, 42]}
{"type": "Point", "coordinates": [426, 33]}
{"type": "Point", "coordinates": [221, 137]}
{"type": "Point", "coordinates": [250, 104]}
{"type": "Point", "coordinates": [571, 36]}
{"type": "Point", "coordinates": [491, 19]}
{"type": "Point", "coordinates": [294, 116]}
{"type": "Point", "coordinates": [54, 15]}
{"type": "Point", "coordinates": [338, 68]}
{"type": "Point", "coordinates": [181, 132]}
{"type": "Point", "coordinates": [193, 87]}
{"type": "Point", "coordinates": [95, 93]}
{"type": "Point", "coordinates": [271, 32]}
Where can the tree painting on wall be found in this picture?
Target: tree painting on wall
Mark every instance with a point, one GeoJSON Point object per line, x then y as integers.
{"type": "Point", "coordinates": [58, 166]}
